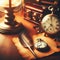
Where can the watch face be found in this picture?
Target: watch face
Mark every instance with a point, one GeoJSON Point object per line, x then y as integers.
{"type": "Point", "coordinates": [50, 24]}
{"type": "Point", "coordinates": [40, 43]}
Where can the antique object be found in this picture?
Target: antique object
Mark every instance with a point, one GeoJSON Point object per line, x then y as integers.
{"type": "Point", "coordinates": [41, 46]}
{"type": "Point", "coordinates": [9, 25]}
{"type": "Point", "coordinates": [26, 41]}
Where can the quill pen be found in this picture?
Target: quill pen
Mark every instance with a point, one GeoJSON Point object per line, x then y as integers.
{"type": "Point", "coordinates": [26, 42]}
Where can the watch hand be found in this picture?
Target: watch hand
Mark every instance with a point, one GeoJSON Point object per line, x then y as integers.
{"type": "Point", "coordinates": [47, 28]}
{"type": "Point", "coordinates": [48, 21]}
{"type": "Point", "coordinates": [51, 19]}
{"type": "Point", "coordinates": [53, 29]}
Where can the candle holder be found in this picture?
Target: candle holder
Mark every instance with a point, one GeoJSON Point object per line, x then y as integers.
{"type": "Point", "coordinates": [9, 25]}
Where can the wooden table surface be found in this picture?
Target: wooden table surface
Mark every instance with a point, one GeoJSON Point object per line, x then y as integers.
{"type": "Point", "coordinates": [11, 47]}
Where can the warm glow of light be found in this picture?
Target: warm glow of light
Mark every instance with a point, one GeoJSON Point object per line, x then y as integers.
{"type": "Point", "coordinates": [1, 39]}
{"type": "Point", "coordinates": [5, 3]}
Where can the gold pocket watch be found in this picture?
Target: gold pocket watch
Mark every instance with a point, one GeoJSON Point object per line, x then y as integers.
{"type": "Point", "coordinates": [50, 23]}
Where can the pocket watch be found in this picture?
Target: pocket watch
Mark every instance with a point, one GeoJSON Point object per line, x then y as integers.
{"type": "Point", "coordinates": [41, 45]}
{"type": "Point", "coordinates": [50, 24]}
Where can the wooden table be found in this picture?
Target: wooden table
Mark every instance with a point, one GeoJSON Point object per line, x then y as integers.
{"type": "Point", "coordinates": [11, 47]}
